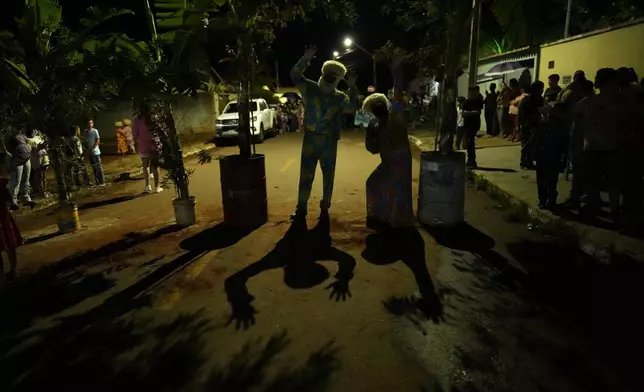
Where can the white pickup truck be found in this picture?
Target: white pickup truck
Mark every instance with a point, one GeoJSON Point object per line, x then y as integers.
{"type": "Point", "coordinates": [262, 119]}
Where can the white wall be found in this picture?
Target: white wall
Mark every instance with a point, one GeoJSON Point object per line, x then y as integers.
{"type": "Point", "coordinates": [526, 78]}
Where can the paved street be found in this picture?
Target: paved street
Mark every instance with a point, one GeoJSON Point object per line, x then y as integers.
{"type": "Point", "coordinates": [133, 303]}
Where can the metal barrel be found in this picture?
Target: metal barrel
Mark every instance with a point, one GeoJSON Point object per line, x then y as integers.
{"type": "Point", "coordinates": [441, 199]}
{"type": "Point", "coordinates": [243, 190]}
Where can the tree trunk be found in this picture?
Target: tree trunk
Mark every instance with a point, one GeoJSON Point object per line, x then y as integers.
{"type": "Point", "coordinates": [177, 166]}
{"type": "Point", "coordinates": [447, 121]}
{"type": "Point", "coordinates": [58, 162]}
{"type": "Point", "coordinates": [244, 134]}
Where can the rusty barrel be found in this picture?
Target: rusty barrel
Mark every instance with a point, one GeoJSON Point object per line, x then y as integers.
{"type": "Point", "coordinates": [243, 191]}
{"type": "Point", "coordinates": [441, 192]}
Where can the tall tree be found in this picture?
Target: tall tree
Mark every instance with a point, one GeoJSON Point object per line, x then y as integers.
{"type": "Point", "coordinates": [441, 28]}
{"type": "Point", "coordinates": [49, 68]}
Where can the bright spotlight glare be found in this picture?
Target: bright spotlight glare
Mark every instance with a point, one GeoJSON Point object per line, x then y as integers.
{"type": "Point", "coordinates": [348, 42]}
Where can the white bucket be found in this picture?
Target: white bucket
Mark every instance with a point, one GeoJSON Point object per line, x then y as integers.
{"type": "Point", "coordinates": [441, 199]}
{"type": "Point", "coordinates": [185, 211]}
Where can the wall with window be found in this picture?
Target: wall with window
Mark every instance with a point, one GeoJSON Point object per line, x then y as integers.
{"type": "Point", "coordinates": [614, 47]}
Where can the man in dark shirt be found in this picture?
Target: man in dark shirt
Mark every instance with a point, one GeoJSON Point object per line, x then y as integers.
{"type": "Point", "coordinates": [490, 111]}
{"type": "Point", "coordinates": [553, 90]}
{"type": "Point", "coordinates": [472, 108]}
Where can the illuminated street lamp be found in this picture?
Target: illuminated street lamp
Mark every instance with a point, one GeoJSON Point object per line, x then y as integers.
{"type": "Point", "coordinates": [348, 42]}
{"type": "Point", "coordinates": [336, 54]}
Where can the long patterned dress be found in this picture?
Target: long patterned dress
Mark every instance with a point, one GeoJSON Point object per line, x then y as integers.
{"type": "Point", "coordinates": [389, 197]}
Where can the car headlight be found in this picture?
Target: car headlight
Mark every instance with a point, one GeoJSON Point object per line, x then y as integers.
{"type": "Point", "coordinates": [219, 122]}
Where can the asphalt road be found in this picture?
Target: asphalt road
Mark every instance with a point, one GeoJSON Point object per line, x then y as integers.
{"type": "Point", "coordinates": [131, 302]}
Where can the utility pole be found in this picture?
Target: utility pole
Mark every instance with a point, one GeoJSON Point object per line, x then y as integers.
{"type": "Point", "coordinates": [568, 14]}
{"type": "Point", "coordinates": [474, 42]}
{"type": "Point", "coordinates": [277, 74]}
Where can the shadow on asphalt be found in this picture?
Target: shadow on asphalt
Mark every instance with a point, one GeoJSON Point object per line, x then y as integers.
{"type": "Point", "coordinates": [496, 169]}
{"type": "Point", "coordinates": [108, 202]}
{"type": "Point", "coordinates": [64, 284]}
{"type": "Point", "coordinates": [408, 246]}
{"type": "Point", "coordinates": [559, 282]}
{"type": "Point", "coordinates": [118, 345]}
{"type": "Point", "coordinates": [298, 252]}
{"type": "Point", "coordinates": [604, 298]}
{"type": "Point", "coordinates": [217, 237]}
{"type": "Point", "coordinates": [42, 238]}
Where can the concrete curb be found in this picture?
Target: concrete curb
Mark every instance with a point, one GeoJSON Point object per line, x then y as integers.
{"type": "Point", "coordinates": [587, 241]}
{"type": "Point", "coordinates": [559, 227]}
{"type": "Point", "coordinates": [43, 205]}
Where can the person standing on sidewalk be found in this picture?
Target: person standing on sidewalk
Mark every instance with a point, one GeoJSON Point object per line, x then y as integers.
{"type": "Point", "coordinates": [92, 142]}
{"type": "Point", "coordinates": [490, 111]}
{"type": "Point", "coordinates": [75, 154]}
{"type": "Point", "coordinates": [461, 139]}
{"type": "Point", "coordinates": [550, 148]}
{"type": "Point", "coordinates": [472, 108]}
{"type": "Point", "coordinates": [148, 151]}
{"type": "Point", "coordinates": [579, 125]}
{"type": "Point", "coordinates": [19, 165]}
{"type": "Point", "coordinates": [529, 122]}
{"type": "Point", "coordinates": [553, 90]}
{"type": "Point", "coordinates": [602, 139]}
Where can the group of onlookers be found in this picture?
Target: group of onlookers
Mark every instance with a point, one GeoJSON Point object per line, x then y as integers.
{"type": "Point", "coordinates": [27, 159]}
{"type": "Point", "coordinates": [595, 130]}
{"type": "Point", "coordinates": [27, 163]}
{"type": "Point", "coordinates": [289, 116]}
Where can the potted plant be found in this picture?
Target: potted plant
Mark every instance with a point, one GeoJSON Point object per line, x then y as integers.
{"type": "Point", "coordinates": [170, 159]}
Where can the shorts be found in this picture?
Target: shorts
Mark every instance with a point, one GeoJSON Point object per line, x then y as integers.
{"type": "Point", "coordinates": [147, 162]}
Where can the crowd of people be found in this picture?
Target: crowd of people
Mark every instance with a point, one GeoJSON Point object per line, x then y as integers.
{"type": "Point", "coordinates": [593, 129]}
{"type": "Point", "coordinates": [289, 116]}
{"type": "Point", "coordinates": [24, 173]}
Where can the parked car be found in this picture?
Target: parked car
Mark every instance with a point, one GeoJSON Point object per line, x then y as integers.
{"type": "Point", "coordinates": [262, 121]}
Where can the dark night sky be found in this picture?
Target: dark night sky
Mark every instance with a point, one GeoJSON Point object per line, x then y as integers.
{"type": "Point", "coordinates": [371, 31]}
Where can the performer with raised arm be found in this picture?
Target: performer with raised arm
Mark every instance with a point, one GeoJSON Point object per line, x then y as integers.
{"type": "Point", "coordinates": [324, 106]}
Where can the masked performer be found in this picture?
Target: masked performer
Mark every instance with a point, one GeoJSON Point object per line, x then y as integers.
{"type": "Point", "coordinates": [322, 123]}
{"type": "Point", "coordinates": [389, 199]}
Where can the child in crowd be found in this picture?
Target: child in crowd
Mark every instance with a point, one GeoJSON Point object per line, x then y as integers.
{"type": "Point", "coordinates": [10, 238]}
{"type": "Point", "coordinates": [121, 140]}
{"type": "Point", "coordinates": [129, 139]}
{"type": "Point", "coordinates": [460, 127]}
{"type": "Point", "coordinates": [551, 147]}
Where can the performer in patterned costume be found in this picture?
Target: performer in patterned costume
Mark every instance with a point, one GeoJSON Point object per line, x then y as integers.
{"type": "Point", "coordinates": [324, 106]}
{"type": "Point", "coordinates": [389, 196]}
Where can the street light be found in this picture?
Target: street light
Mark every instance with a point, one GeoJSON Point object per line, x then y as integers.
{"type": "Point", "coordinates": [336, 54]}
{"type": "Point", "coordinates": [348, 42]}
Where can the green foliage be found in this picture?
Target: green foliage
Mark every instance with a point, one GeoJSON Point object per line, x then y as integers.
{"type": "Point", "coordinates": [55, 74]}
{"type": "Point", "coordinates": [428, 28]}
